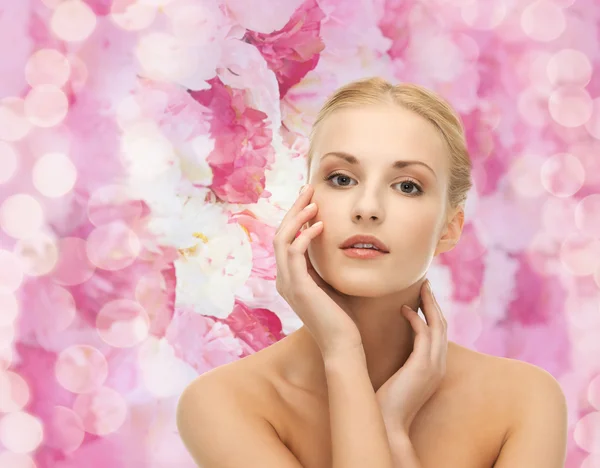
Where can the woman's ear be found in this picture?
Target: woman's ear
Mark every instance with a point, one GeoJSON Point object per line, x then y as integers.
{"type": "Point", "coordinates": [452, 231]}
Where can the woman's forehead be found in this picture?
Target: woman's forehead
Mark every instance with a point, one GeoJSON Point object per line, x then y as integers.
{"type": "Point", "coordinates": [384, 120]}
{"type": "Point", "coordinates": [384, 132]}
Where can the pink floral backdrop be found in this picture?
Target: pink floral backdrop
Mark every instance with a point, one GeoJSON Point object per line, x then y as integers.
{"type": "Point", "coordinates": [150, 148]}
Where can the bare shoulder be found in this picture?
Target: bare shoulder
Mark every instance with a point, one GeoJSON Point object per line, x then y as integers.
{"type": "Point", "coordinates": [532, 390]}
{"type": "Point", "coordinates": [237, 381]}
{"type": "Point", "coordinates": [536, 413]}
{"type": "Point", "coordinates": [520, 390]}
{"type": "Point", "coordinates": [520, 381]}
{"type": "Point", "coordinates": [223, 405]}
{"type": "Point", "coordinates": [509, 380]}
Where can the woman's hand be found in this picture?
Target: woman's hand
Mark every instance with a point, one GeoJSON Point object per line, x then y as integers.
{"type": "Point", "coordinates": [315, 302]}
{"type": "Point", "coordinates": [402, 395]}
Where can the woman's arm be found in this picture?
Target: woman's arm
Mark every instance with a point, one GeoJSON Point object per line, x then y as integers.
{"type": "Point", "coordinates": [403, 452]}
{"type": "Point", "coordinates": [538, 436]}
{"type": "Point", "coordinates": [358, 433]}
{"type": "Point", "coordinates": [221, 428]}
{"type": "Point", "coordinates": [402, 395]}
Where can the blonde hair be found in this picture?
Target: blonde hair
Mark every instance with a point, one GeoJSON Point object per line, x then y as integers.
{"type": "Point", "coordinates": [420, 100]}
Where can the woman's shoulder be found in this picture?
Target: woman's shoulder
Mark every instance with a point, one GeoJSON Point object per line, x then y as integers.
{"type": "Point", "coordinates": [246, 382]}
{"type": "Point", "coordinates": [504, 385]}
{"type": "Point", "coordinates": [529, 403]}
{"type": "Point", "coordinates": [232, 399]}
{"type": "Point", "coordinates": [505, 375]}
{"type": "Point", "coordinates": [509, 373]}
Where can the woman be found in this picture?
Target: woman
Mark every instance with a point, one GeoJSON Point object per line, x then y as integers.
{"type": "Point", "coordinates": [366, 382]}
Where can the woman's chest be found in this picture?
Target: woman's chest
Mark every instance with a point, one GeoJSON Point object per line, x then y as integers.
{"type": "Point", "coordinates": [445, 433]}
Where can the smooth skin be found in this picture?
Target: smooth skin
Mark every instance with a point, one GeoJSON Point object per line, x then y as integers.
{"type": "Point", "coordinates": [221, 424]}
{"type": "Point", "coordinates": [322, 312]}
{"type": "Point", "coordinates": [236, 434]}
{"type": "Point", "coordinates": [403, 395]}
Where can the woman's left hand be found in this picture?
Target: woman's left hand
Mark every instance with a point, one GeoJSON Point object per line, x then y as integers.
{"type": "Point", "coordinates": [402, 395]}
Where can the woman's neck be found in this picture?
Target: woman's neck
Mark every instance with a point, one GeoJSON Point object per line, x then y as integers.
{"type": "Point", "coordinates": [387, 338]}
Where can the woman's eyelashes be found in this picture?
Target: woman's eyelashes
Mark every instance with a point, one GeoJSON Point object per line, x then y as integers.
{"type": "Point", "coordinates": [403, 183]}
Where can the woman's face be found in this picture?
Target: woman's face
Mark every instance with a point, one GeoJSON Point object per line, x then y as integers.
{"type": "Point", "coordinates": [402, 206]}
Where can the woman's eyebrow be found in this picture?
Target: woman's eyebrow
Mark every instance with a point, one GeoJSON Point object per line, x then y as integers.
{"type": "Point", "coordinates": [350, 159]}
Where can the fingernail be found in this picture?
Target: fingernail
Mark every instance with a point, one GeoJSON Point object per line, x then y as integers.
{"type": "Point", "coordinates": [428, 284]}
{"type": "Point", "coordinates": [304, 187]}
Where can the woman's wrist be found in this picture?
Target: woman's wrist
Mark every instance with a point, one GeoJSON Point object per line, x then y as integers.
{"type": "Point", "coordinates": [403, 451]}
{"type": "Point", "coordinates": [398, 439]}
{"type": "Point", "coordinates": [395, 425]}
{"type": "Point", "coordinates": [331, 357]}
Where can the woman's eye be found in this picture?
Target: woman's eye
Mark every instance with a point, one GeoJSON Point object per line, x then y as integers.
{"type": "Point", "coordinates": [410, 185]}
{"type": "Point", "coordinates": [344, 181]}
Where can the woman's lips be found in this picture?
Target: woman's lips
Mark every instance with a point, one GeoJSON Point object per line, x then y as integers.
{"type": "Point", "coordinates": [363, 253]}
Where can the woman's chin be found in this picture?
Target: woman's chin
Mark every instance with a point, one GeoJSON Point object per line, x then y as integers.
{"type": "Point", "coordinates": [360, 287]}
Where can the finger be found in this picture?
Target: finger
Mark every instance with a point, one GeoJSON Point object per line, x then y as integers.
{"type": "Point", "coordinates": [287, 232]}
{"type": "Point", "coordinates": [297, 265]}
{"type": "Point", "coordinates": [302, 200]}
{"type": "Point", "coordinates": [439, 339]}
{"type": "Point", "coordinates": [430, 309]}
{"type": "Point", "coordinates": [316, 277]}
{"type": "Point", "coordinates": [437, 311]}
{"type": "Point", "coordinates": [422, 345]}
{"type": "Point", "coordinates": [442, 317]}
{"type": "Point", "coordinates": [309, 265]}
{"type": "Point", "coordinates": [310, 268]}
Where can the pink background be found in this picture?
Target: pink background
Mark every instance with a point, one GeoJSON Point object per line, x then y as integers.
{"type": "Point", "coordinates": [150, 148]}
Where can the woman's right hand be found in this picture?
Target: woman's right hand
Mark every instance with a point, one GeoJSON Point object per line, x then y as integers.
{"type": "Point", "coordinates": [318, 305]}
